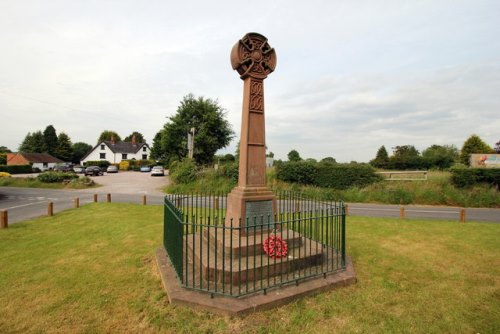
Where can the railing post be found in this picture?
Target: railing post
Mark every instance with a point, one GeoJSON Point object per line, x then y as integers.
{"type": "Point", "coordinates": [109, 198]}
{"type": "Point", "coordinates": [50, 209]}
{"type": "Point", "coordinates": [4, 219]}
{"type": "Point", "coordinates": [343, 238]}
{"type": "Point", "coordinates": [77, 202]}
{"type": "Point", "coordinates": [462, 215]}
{"type": "Point", "coordinates": [144, 200]}
{"type": "Point", "coordinates": [95, 198]}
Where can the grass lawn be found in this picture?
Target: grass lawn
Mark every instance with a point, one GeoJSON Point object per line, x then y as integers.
{"type": "Point", "coordinates": [93, 270]}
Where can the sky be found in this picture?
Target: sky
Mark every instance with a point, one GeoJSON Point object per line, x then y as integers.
{"type": "Point", "coordinates": [351, 76]}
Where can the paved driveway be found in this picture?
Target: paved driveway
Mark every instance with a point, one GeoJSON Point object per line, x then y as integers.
{"type": "Point", "coordinates": [129, 183]}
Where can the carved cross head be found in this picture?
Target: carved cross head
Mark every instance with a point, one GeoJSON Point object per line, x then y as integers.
{"type": "Point", "coordinates": [253, 57]}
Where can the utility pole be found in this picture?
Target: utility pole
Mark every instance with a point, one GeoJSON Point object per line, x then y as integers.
{"type": "Point", "coordinates": [191, 142]}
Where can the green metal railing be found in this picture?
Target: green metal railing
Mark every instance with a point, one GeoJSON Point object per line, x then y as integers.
{"type": "Point", "coordinates": [220, 255]}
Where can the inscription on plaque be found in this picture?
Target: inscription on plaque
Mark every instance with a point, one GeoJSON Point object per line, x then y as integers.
{"type": "Point", "coordinates": [259, 212]}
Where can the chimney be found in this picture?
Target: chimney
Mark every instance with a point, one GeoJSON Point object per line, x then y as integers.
{"type": "Point", "coordinates": [134, 141]}
{"type": "Point", "coordinates": [112, 139]}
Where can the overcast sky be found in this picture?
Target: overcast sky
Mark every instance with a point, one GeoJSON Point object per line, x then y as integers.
{"type": "Point", "coordinates": [351, 76]}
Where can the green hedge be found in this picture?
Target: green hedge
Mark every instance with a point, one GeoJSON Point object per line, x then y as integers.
{"type": "Point", "coordinates": [99, 163]}
{"type": "Point", "coordinates": [467, 177]}
{"type": "Point", "coordinates": [17, 169]}
{"type": "Point", "coordinates": [337, 176]}
{"type": "Point", "coordinates": [56, 177]}
{"type": "Point", "coordinates": [182, 172]}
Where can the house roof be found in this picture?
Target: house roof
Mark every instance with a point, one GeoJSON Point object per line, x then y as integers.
{"type": "Point", "coordinates": [39, 157]}
{"type": "Point", "coordinates": [124, 146]}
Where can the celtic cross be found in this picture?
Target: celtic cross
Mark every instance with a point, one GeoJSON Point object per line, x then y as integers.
{"type": "Point", "coordinates": [254, 59]}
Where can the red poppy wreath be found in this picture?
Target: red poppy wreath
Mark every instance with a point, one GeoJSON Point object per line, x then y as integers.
{"type": "Point", "coordinates": [275, 247]}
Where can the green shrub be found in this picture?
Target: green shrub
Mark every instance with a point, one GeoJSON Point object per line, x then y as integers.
{"type": "Point", "coordinates": [467, 177]}
{"type": "Point", "coordinates": [56, 177]}
{"type": "Point", "coordinates": [99, 163]}
{"type": "Point", "coordinates": [337, 176]}
{"type": "Point", "coordinates": [183, 172]}
{"type": "Point", "coordinates": [3, 159]}
{"type": "Point", "coordinates": [17, 169]}
{"type": "Point", "coordinates": [230, 170]}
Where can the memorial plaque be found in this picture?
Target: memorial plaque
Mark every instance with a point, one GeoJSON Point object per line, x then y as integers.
{"type": "Point", "coordinates": [259, 212]}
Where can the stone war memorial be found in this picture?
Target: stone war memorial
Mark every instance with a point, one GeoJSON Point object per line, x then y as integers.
{"type": "Point", "coordinates": [251, 249]}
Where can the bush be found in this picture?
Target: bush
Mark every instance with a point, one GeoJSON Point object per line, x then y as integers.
{"type": "Point", "coordinates": [467, 177]}
{"type": "Point", "coordinates": [337, 176]}
{"type": "Point", "coordinates": [230, 170]}
{"type": "Point", "coordinates": [17, 169]}
{"type": "Point", "coordinates": [183, 172]}
{"type": "Point", "coordinates": [56, 177]}
{"type": "Point", "coordinates": [100, 163]}
{"type": "Point", "coordinates": [3, 159]}
{"type": "Point", "coordinates": [4, 174]}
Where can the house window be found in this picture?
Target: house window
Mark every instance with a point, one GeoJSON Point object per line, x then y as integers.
{"type": "Point", "coordinates": [124, 156]}
{"type": "Point", "coordinates": [102, 155]}
{"type": "Point", "coordinates": [144, 157]}
{"type": "Point", "coordinates": [102, 146]}
{"type": "Point", "coordinates": [144, 149]}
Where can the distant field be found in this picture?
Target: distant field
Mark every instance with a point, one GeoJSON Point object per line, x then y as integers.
{"type": "Point", "coordinates": [93, 270]}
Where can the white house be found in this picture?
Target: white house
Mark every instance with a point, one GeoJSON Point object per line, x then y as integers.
{"type": "Point", "coordinates": [115, 152]}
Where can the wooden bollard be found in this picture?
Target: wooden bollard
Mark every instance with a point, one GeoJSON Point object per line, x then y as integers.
{"type": "Point", "coordinates": [109, 198]}
{"type": "Point", "coordinates": [347, 210]}
{"type": "Point", "coordinates": [216, 203]}
{"type": "Point", "coordinates": [144, 200]}
{"type": "Point", "coordinates": [77, 202]}
{"type": "Point", "coordinates": [50, 209]}
{"type": "Point", "coordinates": [462, 215]}
{"type": "Point", "coordinates": [402, 212]}
{"type": "Point", "coordinates": [95, 198]}
{"type": "Point", "coordinates": [4, 219]}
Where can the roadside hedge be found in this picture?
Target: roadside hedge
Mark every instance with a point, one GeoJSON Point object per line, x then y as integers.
{"type": "Point", "coordinates": [17, 169]}
{"type": "Point", "coordinates": [56, 177]}
{"type": "Point", "coordinates": [98, 163]}
{"type": "Point", "coordinates": [467, 177]}
{"type": "Point", "coordinates": [337, 176]}
{"type": "Point", "coordinates": [182, 172]}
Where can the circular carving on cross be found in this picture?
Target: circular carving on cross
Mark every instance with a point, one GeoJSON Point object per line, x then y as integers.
{"type": "Point", "coordinates": [253, 57]}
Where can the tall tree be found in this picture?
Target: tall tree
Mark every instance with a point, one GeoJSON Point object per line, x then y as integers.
{"type": "Point", "coordinates": [63, 150]}
{"type": "Point", "coordinates": [381, 159]}
{"type": "Point", "coordinates": [294, 155]}
{"type": "Point", "coordinates": [139, 138]}
{"type": "Point", "coordinates": [107, 135]}
{"type": "Point", "coordinates": [472, 145]}
{"type": "Point", "coordinates": [212, 130]}
{"type": "Point", "coordinates": [439, 156]}
{"type": "Point", "coordinates": [79, 151]}
{"type": "Point", "coordinates": [50, 137]}
{"type": "Point", "coordinates": [4, 149]}
{"type": "Point", "coordinates": [405, 157]}
{"type": "Point", "coordinates": [156, 149]}
{"type": "Point", "coordinates": [497, 147]}
{"type": "Point", "coordinates": [33, 143]}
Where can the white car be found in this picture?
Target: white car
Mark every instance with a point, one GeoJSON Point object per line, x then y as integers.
{"type": "Point", "coordinates": [157, 171]}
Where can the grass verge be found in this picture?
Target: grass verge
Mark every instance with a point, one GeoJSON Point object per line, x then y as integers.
{"type": "Point", "coordinates": [93, 270]}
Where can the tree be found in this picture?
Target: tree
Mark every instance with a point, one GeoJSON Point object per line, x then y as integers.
{"type": "Point", "coordinates": [4, 149]}
{"type": "Point", "coordinates": [328, 160]}
{"type": "Point", "coordinates": [139, 138]}
{"type": "Point", "coordinates": [156, 150]}
{"type": "Point", "coordinates": [293, 155]}
{"type": "Point", "coordinates": [381, 159]}
{"type": "Point", "coordinates": [472, 145]}
{"type": "Point", "coordinates": [106, 135]}
{"type": "Point", "coordinates": [405, 157]}
{"type": "Point", "coordinates": [79, 151]}
{"type": "Point", "coordinates": [33, 143]}
{"type": "Point", "coordinates": [497, 147]}
{"type": "Point", "coordinates": [50, 138]}
{"type": "Point", "coordinates": [63, 150]}
{"type": "Point", "coordinates": [212, 130]}
{"type": "Point", "coordinates": [440, 157]}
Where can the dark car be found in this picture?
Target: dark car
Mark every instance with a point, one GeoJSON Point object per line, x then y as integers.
{"type": "Point", "coordinates": [93, 170]}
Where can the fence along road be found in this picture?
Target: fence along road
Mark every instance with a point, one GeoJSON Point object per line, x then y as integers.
{"type": "Point", "coordinates": [26, 203]}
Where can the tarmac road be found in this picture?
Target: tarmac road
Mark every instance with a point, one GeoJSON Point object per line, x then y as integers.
{"type": "Point", "coordinates": [130, 187]}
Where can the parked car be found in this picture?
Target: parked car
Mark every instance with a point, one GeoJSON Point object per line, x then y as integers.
{"type": "Point", "coordinates": [145, 169]}
{"type": "Point", "coordinates": [93, 170]}
{"type": "Point", "coordinates": [79, 169]}
{"type": "Point", "coordinates": [112, 169]}
{"type": "Point", "coordinates": [63, 168]}
{"type": "Point", "coordinates": [157, 171]}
